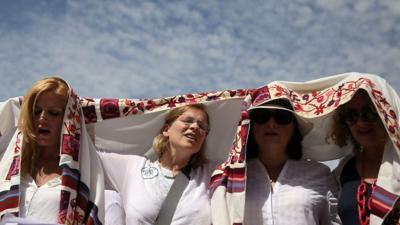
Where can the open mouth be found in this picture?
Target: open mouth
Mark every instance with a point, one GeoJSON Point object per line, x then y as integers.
{"type": "Point", "coordinates": [43, 131]}
{"type": "Point", "coordinates": [191, 137]}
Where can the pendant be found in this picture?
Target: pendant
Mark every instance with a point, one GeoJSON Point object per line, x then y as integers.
{"type": "Point", "coordinates": [149, 172]}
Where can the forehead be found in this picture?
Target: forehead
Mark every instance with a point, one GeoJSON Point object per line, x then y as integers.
{"type": "Point", "coordinates": [49, 99]}
{"type": "Point", "coordinates": [359, 100]}
{"type": "Point", "coordinates": [195, 112]}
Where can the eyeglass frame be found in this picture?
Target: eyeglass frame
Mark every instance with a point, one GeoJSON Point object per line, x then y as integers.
{"type": "Point", "coordinates": [188, 121]}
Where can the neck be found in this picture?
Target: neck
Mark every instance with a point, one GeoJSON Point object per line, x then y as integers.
{"type": "Point", "coordinates": [173, 161]}
{"type": "Point", "coordinates": [273, 161]}
{"type": "Point", "coordinates": [49, 154]}
{"type": "Point", "coordinates": [369, 162]}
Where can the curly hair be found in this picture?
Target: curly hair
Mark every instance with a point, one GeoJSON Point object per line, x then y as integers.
{"type": "Point", "coordinates": [340, 131]}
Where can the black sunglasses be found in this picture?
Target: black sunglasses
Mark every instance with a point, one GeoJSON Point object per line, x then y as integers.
{"type": "Point", "coordinates": [281, 117]}
{"type": "Point", "coordinates": [350, 116]}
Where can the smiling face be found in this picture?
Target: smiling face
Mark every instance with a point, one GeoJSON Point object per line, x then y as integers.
{"type": "Point", "coordinates": [48, 116]}
{"type": "Point", "coordinates": [188, 132]}
{"type": "Point", "coordinates": [270, 135]}
{"type": "Point", "coordinates": [366, 130]}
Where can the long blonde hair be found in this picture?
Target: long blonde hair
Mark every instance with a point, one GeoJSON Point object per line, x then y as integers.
{"type": "Point", "coordinates": [30, 153]}
{"type": "Point", "coordinates": [161, 143]}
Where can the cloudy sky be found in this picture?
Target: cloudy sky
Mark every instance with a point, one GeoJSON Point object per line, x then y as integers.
{"type": "Point", "coordinates": [150, 49]}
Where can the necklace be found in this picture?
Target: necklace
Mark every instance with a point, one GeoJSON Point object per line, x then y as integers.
{"type": "Point", "coordinates": [364, 201]}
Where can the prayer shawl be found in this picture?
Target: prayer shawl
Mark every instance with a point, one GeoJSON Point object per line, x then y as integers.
{"type": "Point", "coordinates": [82, 182]}
{"type": "Point", "coordinates": [315, 101]}
{"type": "Point", "coordinates": [128, 126]}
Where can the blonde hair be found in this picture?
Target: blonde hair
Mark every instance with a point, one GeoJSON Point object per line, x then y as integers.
{"type": "Point", "coordinates": [161, 142]}
{"type": "Point", "coordinates": [30, 153]}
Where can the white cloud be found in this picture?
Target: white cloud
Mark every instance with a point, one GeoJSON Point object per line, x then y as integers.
{"type": "Point", "coordinates": [154, 49]}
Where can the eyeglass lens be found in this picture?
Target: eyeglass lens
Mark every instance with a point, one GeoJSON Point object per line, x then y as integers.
{"type": "Point", "coordinates": [350, 116]}
{"type": "Point", "coordinates": [189, 121]}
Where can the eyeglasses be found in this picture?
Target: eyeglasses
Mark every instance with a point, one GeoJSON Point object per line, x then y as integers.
{"type": "Point", "coordinates": [350, 116]}
{"type": "Point", "coordinates": [281, 117]}
{"type": "Point", "coordinates": [188, 121]}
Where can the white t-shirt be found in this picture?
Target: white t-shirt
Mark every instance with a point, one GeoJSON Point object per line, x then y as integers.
{"type": "Point", "coordinates": [40, 203]}
{"type": "Point", "coordinates": [143, 186]}
{"type": "Point", "coordinates": [303, 195]}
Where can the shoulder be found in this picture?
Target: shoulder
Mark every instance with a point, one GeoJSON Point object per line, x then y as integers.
{"type": "Point", "coordinates": [311, 165]}
{"type": "Point", "coordinates": [204, 171]}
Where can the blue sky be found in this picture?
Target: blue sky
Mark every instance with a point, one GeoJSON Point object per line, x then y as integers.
{"type": "Point", "coordinates": [150, 49]}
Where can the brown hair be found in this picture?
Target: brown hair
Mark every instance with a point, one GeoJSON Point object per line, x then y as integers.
{"type": "Point", "coordinates": [30, 153]}
{"type": "Point", "coordinates": [161, 142]}
{"type": "Point", "coordinates": [340, 131]}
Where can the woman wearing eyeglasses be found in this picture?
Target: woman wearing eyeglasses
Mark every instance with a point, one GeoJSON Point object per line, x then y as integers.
{"type": "Point", "coordinates": [144, 184]}
{"type": "Point", "coordinates": [282, 188]}
{"type": "Point", "coordinates": [358, 122]}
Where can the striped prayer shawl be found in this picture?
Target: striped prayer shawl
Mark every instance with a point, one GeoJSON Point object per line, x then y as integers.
{"type": "Point", "coordinates": [314, 101]}
{"type": "Point", "coordinates": [81, 189]}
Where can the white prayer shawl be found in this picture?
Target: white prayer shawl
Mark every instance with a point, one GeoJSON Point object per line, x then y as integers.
{"type": "Point", "coordinates": [128, 126]}
{"type": "Point", "coordinates": [315, 101]}
{"type": "Point", "coordinates": [82, 185]}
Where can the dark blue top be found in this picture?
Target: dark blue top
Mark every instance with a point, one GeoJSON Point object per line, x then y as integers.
{"type": "Point", "coordinates": [347, 207]}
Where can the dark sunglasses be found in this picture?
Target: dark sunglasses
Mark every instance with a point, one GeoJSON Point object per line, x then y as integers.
{"type": "Point", "coordinates": [350, 116]}
{"type": "Point", "coordinates": [281, 117]}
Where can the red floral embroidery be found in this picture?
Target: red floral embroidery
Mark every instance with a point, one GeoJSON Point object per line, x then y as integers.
{"type": "Point", "coordinates": [90, 114]}
{"type": "Point", "coordinates": [70, 146]}
{"type": "Point", "coordinates": [109, 108]}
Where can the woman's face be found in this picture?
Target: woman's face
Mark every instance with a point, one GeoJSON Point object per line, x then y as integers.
{"type": "Point", "coordinates": [47, 120]}
{"type": "Point", "coordinates": [273, 129]}
{"type": "Point", "coordinates": [188, 132]}
{"type": "Point", "coordinates": [363, 121]}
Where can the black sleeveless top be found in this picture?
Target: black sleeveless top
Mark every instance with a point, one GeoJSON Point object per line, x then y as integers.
{"type": "Point", "coordinates": [347, 206]}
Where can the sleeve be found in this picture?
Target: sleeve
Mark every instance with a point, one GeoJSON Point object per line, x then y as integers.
{"type": "Point", "coordinates": [117, 168]}
{"type": "Point", "coordinates": [330, 214]}
{"type": "Point", "coordinates": [115, 213]}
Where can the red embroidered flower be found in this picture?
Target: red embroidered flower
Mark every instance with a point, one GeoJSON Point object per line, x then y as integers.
{"type": "Point", "coordinates": [14, 168]}
{"type": "Point", "coordinates": [89, 113]}
{"type": "Point", "coordinates": [150, 105]}
{"type": "Point", "coordinates": [319, 109]}
{"type": "Point", "coordinates": [109, 108]}
{"type": "Point", "coordinates": [181, 99]}
{"type": "Point", "coordinates": [70, 146]}
{"type": "Point", "coordinates": [171, 103]}
{"type": "Point", "coordinates": [320, 98]}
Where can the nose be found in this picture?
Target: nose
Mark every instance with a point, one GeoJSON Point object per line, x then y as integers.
{"type": "Point", "coordinates": [42, 116]}
{"type": "Point", "coordinates": [271, 122]}
{"type": "Point", "coordinates": [194, 125]}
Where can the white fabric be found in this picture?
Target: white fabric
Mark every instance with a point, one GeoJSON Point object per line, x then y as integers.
{"type": "Point", "coordinates": [144, 194]}
{"type": "Point", "coordinates": [115, 213]}
{"type": "Point", "coordinates": [303, 194]}
{"type": "Point", "coordinates": [134, 134]}
{"type": "Point", "coordinates": [9, 111]}
{"type": "Point", "coordinates": [40, 203]}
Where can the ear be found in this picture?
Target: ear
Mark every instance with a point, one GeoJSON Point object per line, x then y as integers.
{"type": "Point", "coordinates": [165, 130]}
